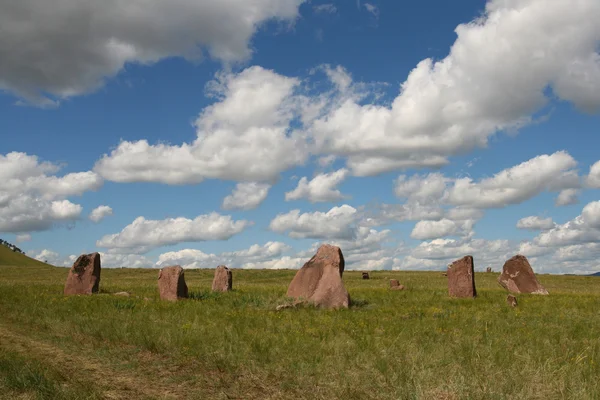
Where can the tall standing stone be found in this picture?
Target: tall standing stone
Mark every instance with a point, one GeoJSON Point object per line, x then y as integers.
{"type": "Point", "coordinates": [84, 276]}
{"type": "Point", "coordinates": [518, 277]}
{"type": "Point", "coordinates": [171, 283]}
{"type": "Point", "coordinates": [461, 278]}
{"type": "Point", "coordinates": [319, 281]}
{"type": "Point", "coordinates": [223, 280]}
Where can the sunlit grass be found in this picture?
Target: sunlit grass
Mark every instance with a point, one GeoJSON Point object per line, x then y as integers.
{"type": "Point", "coordinates": [411, 344]}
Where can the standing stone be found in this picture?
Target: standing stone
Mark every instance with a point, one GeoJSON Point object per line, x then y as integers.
{"type": "Point", "coordinates": [488, 269]}
{"type": "Point", "coordinates": [171, 283]}
{"type": "Point", "coordinates": [511, 300]}
{"type": "Point", "coordinates": [461, 278]}
{"type": "Point", "coordinates": [365, 275]}
{"type": "Point", "coordinates": [223, 279]}
{"type": "Point", "coordinates": [84, 276]}
{"type": "Point", "coordinates": [518, 277]}
{"type": "Point", "coordinates": [395, 285]}
{"type": "Point", "coordinates": [319, 281]}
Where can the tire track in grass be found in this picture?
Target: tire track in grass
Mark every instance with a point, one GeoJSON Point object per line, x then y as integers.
{"type": "Point", "coordinates": [115, 385]}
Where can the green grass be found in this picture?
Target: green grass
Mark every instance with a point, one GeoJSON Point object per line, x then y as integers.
{"type": "Point", "coordinates": [412, 344]}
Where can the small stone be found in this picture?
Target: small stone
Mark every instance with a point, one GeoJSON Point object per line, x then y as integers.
{"type": "Point", "coordinates": [171, 283]}
{"type": "Point", "coordinates": [223, 280]}
{"type": "Point", "coordinates": [365, 275]}
{"type": "Point", "coordinates": [125, 294]}
{"type": "Point", "coordinates": [511, 300]}
{"type": "Point", "coordinates": [84, 276]}
{"type": "Point", "coordinates": [488, 269]}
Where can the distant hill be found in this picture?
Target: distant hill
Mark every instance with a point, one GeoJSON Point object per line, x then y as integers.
{"type": "Point", "coordinates": [595, 274]}
{"type": "Point", "coordinates": [10, 257]}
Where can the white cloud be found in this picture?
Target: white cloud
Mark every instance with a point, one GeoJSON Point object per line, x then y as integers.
{"type": "Point", "coordinates": [567, 197]}
{"type": "Point", "coordinates": [372, 9]}
{"type": "Point", "coordinates": [142, 235]}
{"type": "Point", "coordinates": [517, 184]}
{"type": "Point", "coordinates": [246, 196]}
{"type": "Point", "coordinates": [33, 199]}
{"type": "Point", "coordinates": [535, 223]}
{"type": "Point", "coordinates": [584, 228]}
{"type": "Point", "coordinates": [425, 230]}
{"type": "Point", "coordinates": [243, 137]}
{"type": "Point", "coordinates": [424, 189]}
{"type": "Point", "coordinates": [23, 238]}
{"type": "Point", "coordinates": [265, 256]}
{"type": "Point", "coordinates": [337, 223]}
{"type": "Point", "coordinates": [494, 79]}
{"type": "Point", "coordinates": [327, 8]}
{"type": "Point", "coordinates": [70, 47]}
{"type": "Point", "coordinates": [439, 253]}
{"type": "Point", "coordinates": [593, 178]}
{"type": "Point", "coordinates": [100, 212]}
{"type": "Point", "coordinates": [322, 188]}
{"type": "Point", "coordinates": [47, 256]}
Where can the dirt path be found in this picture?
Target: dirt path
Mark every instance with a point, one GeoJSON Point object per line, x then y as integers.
{"type": "Point", "coordinates": [114, 384]}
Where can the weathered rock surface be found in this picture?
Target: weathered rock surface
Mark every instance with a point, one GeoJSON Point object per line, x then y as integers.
{"type": "Point", "coordinates": [395, 285]}
{"type": "Point", "coordinates": [319, 281]}
{"type": "Point", "coordinates": [84, 276]}
{"type": "Point", "coordinates": [365, 275]}
{"type": "Point", "coordinates": [171, 283]}
{"type": "Point", "coordinates": [223, 280]}
{"type": "Point", "coordinates": [511, 300]}
{"type": "Point", "coordinates": [518, 277]}
{"type": "Point", "coordinates": [461, 278]}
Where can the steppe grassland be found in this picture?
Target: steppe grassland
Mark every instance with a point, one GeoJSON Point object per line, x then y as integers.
{"type": "Point", "coordinates": [413, 344]}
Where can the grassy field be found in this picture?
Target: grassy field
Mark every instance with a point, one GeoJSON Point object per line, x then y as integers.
{"type": "Point", "coordinates": [413, 344]}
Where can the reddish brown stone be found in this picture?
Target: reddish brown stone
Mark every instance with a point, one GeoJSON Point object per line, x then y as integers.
{"type": "Point", "coordinates": [171, 283]}
{"type": "Point", "coordinates": [319, 281]}
{"type": "Point", "coordinates": [365, 275]}
{"type": "Point", "coordinates": [518, 277]}
{"type": "Point", "coordinates": [395, 285]}
{"type": "Point", "coordinates": [461, 278]}
{"type": "Point", "coordinates": [84, 276]}
{"type": "Point", "coordinates": [223, 279]}
{"type": "Point", "coordinates": [511, 300]}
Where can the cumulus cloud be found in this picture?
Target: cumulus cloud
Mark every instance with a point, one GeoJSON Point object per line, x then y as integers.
{"type": "Point", "coordinates": [517, 184]}
{"type": "Point", "coordinates": [337, 223]}
{"type": "Point", "coordinates": [584, 228]}
{"type": "Point", "coordinates": [439, 253]}
{"type": "Point", "coordinates": [143, 235]}
{"type": "Point", "coordinates": [593, 178]}
{"type": "Point", "coordinates": [33, 198]}
{"type": "Point", "coordinates": [425, 230]}
{"type": "Point", "coordinates": [267, 256]}
{"type": "Point", "coordinates": [494, 79]}
{"type": "Point", "coordinates": [535, 223]}
{"type": "Point", "coordinates": [327, 8]}
{"type": "Point", "coordinates": [246, 196]}
{"type": "Point", "coordinates": [567, 197]}
{"type": "Point", "coordinates": [100, 212]}
{"type": "Point", "coordinates": [322, 188]}
{"type": "Point", "coordinates": [243, 137]}
{"type": "Point", "coordinates": [70, 47]}
{"type": "Point", "coordinates": [47, 256]}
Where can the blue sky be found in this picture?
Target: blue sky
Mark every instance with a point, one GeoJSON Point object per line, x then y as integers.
{"type": "Point", "coordinates": [410, 134]}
